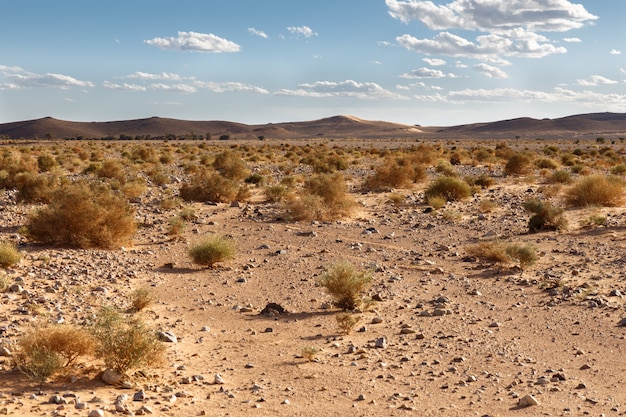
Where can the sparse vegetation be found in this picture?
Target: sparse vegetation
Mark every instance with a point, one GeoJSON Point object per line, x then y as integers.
{"type": "Point", "coordinates": [9, 254]}
{"type": "Point", "coordinates": [346, 322]}
{"type": "Point", "coordinates": [141, 298]}
{"type": "Point", "coordinates": [212, 249]}
{"type": "Point", "coordinates": [448, 188]}
{"type": "Point", "coordinates": [324, 197]}
{"type": "Point", "coordinates": [596, 191]}
{"type": "Point", "coordinates": [83, 215]}
{"type": "Point", "coordinates": [499, 252]}
{"type": "Point", "coordinates": [346, 284]}
{"type": "Point", "coordinates": [545, 216]}
{"type": "Point", "coordinates": [309, 353]}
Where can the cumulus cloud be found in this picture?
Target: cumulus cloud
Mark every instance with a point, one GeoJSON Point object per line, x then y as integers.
{"type": "Point", "coordinates": [615, 52]}
{"type": "Point", "coordinates": [493, 16]}
{"type": "Point", "coordinates": [194, 41]}
{"type": "Point", "coordinates": [123, 87]}
{"type": "Point", "coordinates": [230, 86]}
{"type": "Point", "coordinates": [304, 31]}
{"type": "Point", "coordinates": [18, 78]}
{"type": "Point", "coordinates": [490, 71]}
{"type": "Point", "coordinates": [508, 28]}
{"type": "Point", "coordinates": [435, 62]}
{"type": "Point", "coordinates": [595, 80]}
{"type": "Point", "coordinates": [427, 73]}
{"type": "Point", "coordinates": [258, 33]}
{"type": "Point", "coordinates": [347, 88]}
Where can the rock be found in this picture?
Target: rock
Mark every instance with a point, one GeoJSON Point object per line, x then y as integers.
{"type": "Point", "coordinates": [96, 413]}
{"type": "Point", "coordinates": [143, 410]}
{"type": "Point", "coordinates": [381, 343]}
{"type": "Point", "coordinates": [218, 380]}
{"type": "Point", "coordinates": [377, 320]}
{"type": "Point", "coordinates": [57, 399]}
{"type": "Point", "coordinates": [139, 396]}
{"type": "Point", "coordinates": [273, 308]}
{"type": "Point", "coordinates": [168, 337]}
{"type": "Point", "coordinates": [622, 322]}
{"type": "Point", "coordinates": [111, 377]}
{"type": "Point", "coordinates": [527, 401]}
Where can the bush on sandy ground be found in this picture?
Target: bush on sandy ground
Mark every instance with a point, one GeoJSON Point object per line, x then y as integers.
{"type": "Point", "coordinates": [596, 191]}
{"type": "Point", "coordinates": [112, 169]}
{"type": "Point", "coordinates": [346, 322]}
{"type": "Point", "coordinates": [9, 255]}
{"type": "Point", "coordinates": [141, 298]}
{"type": "Point", "coordinates": [35, 188]}
{"type": "Point", "coordinates": [210, 186]}
{"type": "Point", "coordinates": [212, 249]}
{"type": "Point", "coordinates": [276, 193]}
{"type": "Point", "coordinates": [518, 164]}
{"type": "Point", "coordinates": [231, 166]}
{"type": "Point", "coordinates": [395, 173]}
{"type": "Point", "coordinates": [449, 188]}
{"type": "Point", "coordinates": [83, 215]}
{"type": "Point", "coordinates": [346, 284]}
{"type": "Point", "coordinates": [125, 342]}
{"type": "Point", "coordinates": [499, 252]}
{"type": "Point", "coordinates": [44, 351]}
{"type": "Point", "coordinates": [323, 198]}
{"type": "Point", "coordinates": [545, 216]}
{"type": "Point", "coordinates": [560, 177]}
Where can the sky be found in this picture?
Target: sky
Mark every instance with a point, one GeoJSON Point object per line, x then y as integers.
{"type": "Point", "coordinates": [432, 63]}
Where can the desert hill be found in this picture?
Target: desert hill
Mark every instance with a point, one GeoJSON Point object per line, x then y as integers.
{"type": "Point", "coordinates": [583, 125]}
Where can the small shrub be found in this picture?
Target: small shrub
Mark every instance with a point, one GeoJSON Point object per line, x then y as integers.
{"type": "Point", "coordinates": [483, 181]}
{"type": "Point", "coordinates": [346, 322]}
{"type": "Point", "coordinates": [176, 226]}
{"type": "Point", "coordinates": [112, 169]}
{"type": "Point", "coordinates": [255, 178]}
{"type": "Point", "coordinates": [210, 186]}
{"type": "Point", "coordinates": [546, 163]}
{"type": "Point", "coordinates": [38, 364]}
{"type": "Point", "coordinates": [309, 353]}
{"type": "Point", "coordinates": [560, 177]}
{"type": "Point", "coordinates": [83, 216]}
{"type": "Point", "coordinates": [212, 249]}
{"type": "Point", "coordinates": [596, 191]}
{"type": "Point", "coordinates": [593, 220]}
{"type": "Point", "coordinates": [396, 199]}
{"type": "Point", "coordinates": [619, 169]}
{"type": "Point", "coordinates": [498, 252]}
{"type": "Point", "coordinates": [518, 164]}
{"type": "Point", "coordinates": [9, 255]}
{"type": "Point", "coordinates": [525, 255]}
{"type": "Point", "coordinates": [124, 342]}
{"type": "Point", "coordinates": [436, 201]}
{"type": "Point", "coordinates": [487, 206]}
{"type": "Point", "coordinates": [324, 198]}
{"type": "Point", "coordinates": [346, 284]}
{"type": "Point", "coordinates": [141, 298]}
{"type": "Point", "coordinates": [450, 188]}
{"type": "Point", "coordinates": [35, 188]}
{"type": "Point", "coordinates": [231, 166]}
{"type": "Point", "coordinates": [46, 162]}
{"type": "Point", "coordinates": [395, 173]}
{"type": "Point", "coordinates": [276, 193]}
{"type": "Point", "coordinates": [545, 216]}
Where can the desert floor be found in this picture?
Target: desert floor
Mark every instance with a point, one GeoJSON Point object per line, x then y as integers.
{"type": "Point", "coordinates": [448, 334]}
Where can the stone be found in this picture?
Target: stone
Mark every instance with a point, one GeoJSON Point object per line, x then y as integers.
{"type": "Point", "coordinates": [96, 413]}
{"type": "Point", "coordinates": [527, 401]}
{"type": "Point", "coordinates": [111, 377]}
{"type": "Point", "coordinates": [167, 337]}
{"type": "Point", "coordinates": [139, 396]}
{"type": "Point", "coordinates": [381, 343]}
{"type": "Point", "coordinates": [218, 380]}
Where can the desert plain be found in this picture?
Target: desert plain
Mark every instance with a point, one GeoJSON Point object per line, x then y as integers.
{"type": "Point", "coordinates": [442, 330]}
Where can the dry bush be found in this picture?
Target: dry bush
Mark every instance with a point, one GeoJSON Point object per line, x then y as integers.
{"type": "Point", "coordinates": [518, 164]}
{"type": "Point", "coordinates": [176, 226]}
{"type": "Point", "coordinates": [596, 191]}
{"type": "Point", "coordinates": [276, 193]}
{"type": "Point", "coordinates": [112, 169]}
{"type": "Point", "coordinates": [124, 342]}
{"type": "Point", "coordinates": [35, 188]}
{"type": "Point", "coordinates": [11, 166]}
{"type": "Point", "coordinates": [38, 364]}
{"type": "Point", "coordinates": [46, 162]}
{"type": "Point", "coordinates": [141, 298]}
{"type": "Point", "coordinates": [436, 201]}
{"type": "Point", "coordinates": [346, 284]}
{"type": "Point", "coordinates": [346, 322]}
{"type": "Point", "coordinates": [212, 249]}
{"type": "Point", "coordinates": [483, 181]}
{"type": "Point", "coordinates": [134, 189]}
{"type": "Point", "coordinates": [395, 173]}
{"type": "Point", "coordinates": [309, 353]}
{"type": "Point", "coordinates": [324, 197]}
{"type": "Point", "coordinates": [619, 169]}
{"type": "Point", "coordinates": [560, 177]}
{"type": "Point", "coordinates": [545, 216]}
{"type": "Point", "coordinates": [83, 216]}
{"type": "Point", "coordinates": [449, 188]}
{"type": "Point", "coordinates": [231, 166]}
{"type": "Point", "coordinates": [499, 252]}
{"type": "Point", "coordinates": [210, 186]}
{"type": "Point", "coordinates": [546, 163]}
{"type": "Point", "coordinates": [487, 206]}
{"type": "Point", "coordinates": [9, 255]}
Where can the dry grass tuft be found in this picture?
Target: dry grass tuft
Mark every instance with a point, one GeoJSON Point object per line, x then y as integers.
{"type": "Point", "coordinates": [596, 191]}
{"type": "Point", "coordinates": [346, 284]}
{"type": "Point", "coordinates": [212, 249]}
{"type": "Point", "coordinates": [9, 254]}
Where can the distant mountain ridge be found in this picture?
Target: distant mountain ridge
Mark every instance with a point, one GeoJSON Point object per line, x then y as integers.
{"type": "Point", "coordinates": [583, 125]}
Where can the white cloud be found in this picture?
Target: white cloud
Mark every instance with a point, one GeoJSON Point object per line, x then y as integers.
{"type": "Point", "coordinates": [427, 73]}
{"type": "Point", "coordinates": [258, 33]}
{"type": "Point", "coordinates": [138, 75]}
{"type": "Point", "coordinates": [595, 80]}
{"type": "Point", "coordinates": [193, 41]}
{"type": "Point", "coordinates": [229, 87]}
{"type": "Point", "coordinates": [615, 52]}
{"type": "Point", "coordinates": [304, 31]}
{"type": "Point", "coordinates": [493, 16]}
{"type": "Point", "coordinates": [490, 71]}
{"type": "Point", "coordinates": [174, 88]}
{"type": "Point", "coordinates": [572, 40]}
{"type": "Point", "coordinates": [123, 87]}
{"type": "Point", "coordinates": [435, 62]}
{"type": "Point", "coordinates": [347, 88]}
{"type": "Point", "coordinates": [508, 28]}
{"type": "Point", "coordinates": [17, 78]}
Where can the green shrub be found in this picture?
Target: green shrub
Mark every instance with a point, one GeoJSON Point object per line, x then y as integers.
{"type": "Point", "coordinates": [596, 191]}
{"type": "Point", "coordinates": [9, 255]}
{"type": "Point", "coordinates": [212, 249]}
{"type": "Point", "coordinates": [346, 284]}
{"type": "Point", "coordinates": [449, 188]}
{"type": "Point", "coordinates": [83, 216]}
{"type": "Point", "coordinates": [125, 342]}
{"type": "Point", "coordinates": [346, 322]}
{"type": "Point", "coordinates": [545, 216]}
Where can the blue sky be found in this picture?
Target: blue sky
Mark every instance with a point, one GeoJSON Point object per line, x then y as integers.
{"type": "Point", "coordinates": [432, 63]}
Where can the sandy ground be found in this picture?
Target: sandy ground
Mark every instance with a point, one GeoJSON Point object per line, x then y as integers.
{"type": "Point", "coordinates": [448, 336]}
